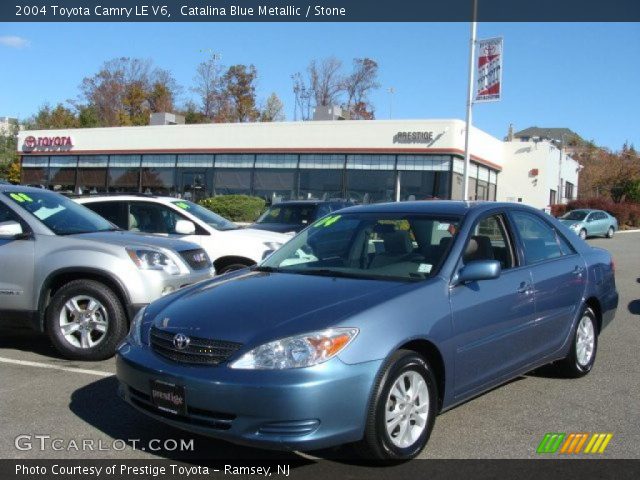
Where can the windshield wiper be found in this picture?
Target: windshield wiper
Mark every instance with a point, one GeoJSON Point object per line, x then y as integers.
{"type": "Point", "coordinates": [264, 268]}
{"type": "Point", "coordinates": [325, 272]}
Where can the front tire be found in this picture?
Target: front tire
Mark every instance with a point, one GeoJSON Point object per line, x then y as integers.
{"type": "Point", "coordinates": [583, 234]}
{"type": "Point", "coordinates": [232, 268]}
{"type": "Point", "coordinates": [610, 232]}
{"type": "Point", "coordinates": [402, 411]}
{"type": "Point", "coordinates": [584, 347]}
{"type": "Point", "coordinates": [85, 320]}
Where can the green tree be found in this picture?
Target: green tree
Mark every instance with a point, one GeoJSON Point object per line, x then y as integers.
{"type": "Point", "coordinates": [9, 159]}
{"type": "Point", "coordinates": [273, 110]}
{"type": "Point", "coordinates": [53, 118]}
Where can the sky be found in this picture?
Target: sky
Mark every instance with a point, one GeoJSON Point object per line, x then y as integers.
{"type": "Point", "coordinates": [582, 76]}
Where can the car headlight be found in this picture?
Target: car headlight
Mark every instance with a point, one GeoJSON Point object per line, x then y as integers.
{"type": "Point", "coordinates": [298, 351]}
{"type": "Point", "coordinates": [153, 260]}
{"type": "Point", "coordinates": [575, 226]}
{"type": "Point", "coordinates": [135, 334]}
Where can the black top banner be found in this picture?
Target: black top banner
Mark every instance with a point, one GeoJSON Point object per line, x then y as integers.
{"type": "Point", "coordinates": [319, 11]}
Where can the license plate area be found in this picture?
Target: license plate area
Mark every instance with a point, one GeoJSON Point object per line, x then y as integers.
{"type": "Point", "coordinates": [168, 397]}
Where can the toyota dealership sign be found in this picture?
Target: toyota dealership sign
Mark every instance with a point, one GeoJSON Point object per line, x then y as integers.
{"type": "Point", "coordinates": [47, 143]}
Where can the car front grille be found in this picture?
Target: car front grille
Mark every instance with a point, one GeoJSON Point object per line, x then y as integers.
{"type": "Point", "coordinates": [200, 351]}
{"type": "Point", "coordinates": [196, 258]}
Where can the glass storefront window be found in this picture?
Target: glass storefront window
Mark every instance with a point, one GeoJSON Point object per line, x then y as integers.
{"type": "Point", "coordinates": [158, 174]}
{"type": "Point", "coordinates": [92, 173]}
{"type": "Point", "coordinates": [322, 161]}
{"type": "Point", "coordinates": [276, 161]}
{"type": "Point", "coordinates": [234, 161]}
{"type": "Point", "coordinates": [124, 173]}
{"type": "Point", "coordinates": [424, 185]}
{"type": "Point", "coordinates": [274, 184]}
{"type": "Point", "coordinates": [424, 162]}
{"type": "Point", "coordinates": [371, 186]}
{"type": "Point", "coordinates": [229, 181]}
{"type": "Point", "coordinates": [457, 187]}
{"type": "Point", "coordinates": [320, 184]}
{"type": "Point", "coordinates": [371, 162]}
{"type": "Point", "coordinates": [34, 170]}
{"type": "Point", "coordinates": [492, 192]}
{"type": "Point", "coordinates": [195, 161]}
{"type": "Point", "coordinates": [62, 173]}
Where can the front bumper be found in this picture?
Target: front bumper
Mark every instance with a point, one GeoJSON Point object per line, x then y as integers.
{"type": "Point", "coordinates": [297, 409]}
{"type": "Point", "coordinates": [155, 284]}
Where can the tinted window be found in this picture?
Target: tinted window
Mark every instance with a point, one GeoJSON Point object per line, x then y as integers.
{"type": "Point", "coordinates": [574, 215]}
{"type": "Point", "coordinates": [539, 239]}
{"type": "Point", "coordinates": [289, 214]}
{"type": "Point", "coordinates": [490, 241]}
{"type": "Point", "coordinates": [115, 212]}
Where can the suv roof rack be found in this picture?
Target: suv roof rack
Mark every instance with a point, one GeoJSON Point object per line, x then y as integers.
{"type": "Point", "coordinates": [112, 194]}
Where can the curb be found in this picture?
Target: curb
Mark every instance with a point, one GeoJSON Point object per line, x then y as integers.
{"type": "Point", "coordinates": [635, 230]}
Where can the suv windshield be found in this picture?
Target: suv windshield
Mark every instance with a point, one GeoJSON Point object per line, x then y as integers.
{"type": "Point", "coordinates": [61, 215]}
{"type": "Point", "coordinates": [207, 216]}
{"type": "Point", "coordinates": [574, 215]}
{"type": "Point", "coordinates": [368, 245]}
{"type": "Point", "coordinates": [289, 214]}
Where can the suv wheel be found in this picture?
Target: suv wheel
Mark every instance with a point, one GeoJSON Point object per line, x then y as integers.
{"type": "Point", "coordinates": [86, 321]}
{"type": "Point", "coordinates": [402, 411]}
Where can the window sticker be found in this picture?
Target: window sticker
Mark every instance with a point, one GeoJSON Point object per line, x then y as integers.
{"type": "Point", "coordinates": [182, 205]}
{"type": "Point", "coordinates": [16, 197]}
{"type": "Point", "coordinates": [425, 268]}
{"type": "Point", "coordinates": [327, 221]}
{"type": "Point", "coordinates": [443, 226]}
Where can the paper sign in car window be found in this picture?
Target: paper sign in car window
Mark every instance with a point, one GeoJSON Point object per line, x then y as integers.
{"type": "Point", "coordinates": [184, 206]}
{"type": "Point", "coordinates": [425, 268]}
{"type": "Point", "coordinates": [26, 197]}
{"type": "Point", "coordinates": [16, 197]}
{"type": "Point", "coordinates": [327, 221]}
{"type": "Point", "coordinates": [443, 226]}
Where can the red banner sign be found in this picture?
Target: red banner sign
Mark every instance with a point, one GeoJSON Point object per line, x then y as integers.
{"type": "Point", "coordinates": [489, 74]}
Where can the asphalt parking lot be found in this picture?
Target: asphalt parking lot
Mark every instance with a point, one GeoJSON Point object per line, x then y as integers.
{"type": "Point", "coordinates": [42, 394]}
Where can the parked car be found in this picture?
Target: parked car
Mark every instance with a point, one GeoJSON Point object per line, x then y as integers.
{"type": "Point", "coordinates": [229, 246]}
{"type": "Point", "coordinates": [590, 223]}
{"type": "Point", "coordinates": [70, 273]}
{"type": "Point", "coordinates": [398, 312]}
{"type": "Point", "coordinates": [292, 216]}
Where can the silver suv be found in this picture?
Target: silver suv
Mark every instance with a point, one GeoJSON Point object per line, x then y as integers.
{"type": "Point", "coordinates": [69, 272]}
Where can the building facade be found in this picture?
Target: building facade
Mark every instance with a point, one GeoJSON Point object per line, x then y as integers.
{"type": "Point", "coordinates": [365, 161]}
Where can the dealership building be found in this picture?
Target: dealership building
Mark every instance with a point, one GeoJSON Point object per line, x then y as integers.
{"type": "Point", "coordinates": [365, 161]}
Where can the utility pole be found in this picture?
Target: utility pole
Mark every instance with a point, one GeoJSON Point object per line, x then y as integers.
{"type": "Point", "coordinates": [470, 90]}
{"type": "Point", "coordinates": [391, 91]}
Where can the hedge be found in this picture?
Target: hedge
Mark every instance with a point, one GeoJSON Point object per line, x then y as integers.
{"type": "Point", "coordinates": [627, 213]}
{"type": "Point", "coordinates": [237, 208]}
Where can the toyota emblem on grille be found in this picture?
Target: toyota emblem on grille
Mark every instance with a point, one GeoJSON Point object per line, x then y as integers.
{"type": "Point", "coordinates": [181, 341]}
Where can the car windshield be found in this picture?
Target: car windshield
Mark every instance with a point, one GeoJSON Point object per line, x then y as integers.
{"type": "Point", "coordinates": [288, 214]}
{"type": "Point", "coordinates": [368, 245]}
{"type": "Point", "coordinates": [207, 216]}
{"type": "Point", "coordinates": [61, 215]}
{"type": "Point", "coordinates": [574, 215]}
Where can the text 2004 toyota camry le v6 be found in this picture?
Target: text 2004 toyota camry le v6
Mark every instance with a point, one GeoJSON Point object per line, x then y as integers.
{"type": "Point", "coordinates": [368, 323]}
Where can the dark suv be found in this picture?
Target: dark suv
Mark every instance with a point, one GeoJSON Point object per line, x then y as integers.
{"type": "Point", "coordinates": [293, 216]}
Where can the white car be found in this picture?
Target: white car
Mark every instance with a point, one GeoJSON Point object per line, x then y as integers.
{"type": "Point", "coordinates": [229, 246]}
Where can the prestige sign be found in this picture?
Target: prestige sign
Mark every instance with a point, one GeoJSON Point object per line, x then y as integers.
{"type": "Point", "coordinates": [413, 137]}
{"type": "Point", "coordinates": [47, 143]}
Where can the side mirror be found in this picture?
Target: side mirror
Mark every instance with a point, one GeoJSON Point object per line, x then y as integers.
{"type": "Point", "coordinates": [10, 229]}
{"type": "Point", "coordinates": [479, 270]}
{"type": "Point", "coordinates": [185, 227]}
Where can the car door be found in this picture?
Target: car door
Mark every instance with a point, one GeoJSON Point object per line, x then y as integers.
{"type": "Point", "coordinates": [16, 266]}
{"type": "Point", "coordinates": [492, 319]}
{"type": "Point", "coordinates": [559, 279]}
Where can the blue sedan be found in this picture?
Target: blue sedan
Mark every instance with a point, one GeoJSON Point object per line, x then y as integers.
{"type": "Point", "coordinates": [590, 223]}
{"type": "Point", "coordinates": [367, 324]}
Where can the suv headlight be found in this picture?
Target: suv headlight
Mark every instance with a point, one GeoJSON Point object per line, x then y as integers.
{"type": "Point", "coordinates": [135, 334]}
{"type": "Point", "coordinates": [297, 351]}
{"type": "Point", "coordinates": [153, 260]}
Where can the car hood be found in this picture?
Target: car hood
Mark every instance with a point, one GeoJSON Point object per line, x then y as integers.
{"type": "Point", "coordinates": [252, 307]}
{"type": "Point", "coordinates": [277, 227]}
{"type": "Point", "coordinates": [568, 223]}
{"type": "Point", "coordinates": [257, 235]}
{"type": "Point", "coordinates": [128, 239]}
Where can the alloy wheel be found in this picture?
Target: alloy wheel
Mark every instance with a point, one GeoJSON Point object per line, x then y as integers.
{"type": "Point", "coordinates": [407, 409]}
{"type": "Point", "coordinates": [83, 321]}
{"type": "Point", "coordinates": [585, 341]}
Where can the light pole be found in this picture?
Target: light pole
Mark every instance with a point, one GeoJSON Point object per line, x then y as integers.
{"type": "Point", "coordinates": [470, 89]}
{"type": "Point", "coordinates": [391, 91]}
{"type": "Point", "coordinates": [561, 147]}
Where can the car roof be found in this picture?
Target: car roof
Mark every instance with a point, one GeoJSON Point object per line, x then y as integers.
{"type": "Point", "coordinates": [22, 188]}
{"type": "Point", "coordinates": [440, 207]}
{"type": "Point", "coordinates": [126, 197]}
{"type": "Point", "coordinates": [308, 202]}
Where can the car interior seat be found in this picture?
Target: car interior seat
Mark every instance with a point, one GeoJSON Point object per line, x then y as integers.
{"type": "Point", "coordinates": [478, 248]}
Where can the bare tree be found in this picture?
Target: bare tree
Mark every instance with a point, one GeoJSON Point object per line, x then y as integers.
{"type": "Point", "coordinates": [357, 86]}
{"type": "Point", "coordinates": [326, 81]}
{"type": "Point", "coordinates": [208, 85]}
{"type": "Point", "coordinates": [303, 95]}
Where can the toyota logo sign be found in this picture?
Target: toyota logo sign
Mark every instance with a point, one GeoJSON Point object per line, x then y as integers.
{"type": "Point", "coordinates": [181, 341]}
{"type": "Point", "coordinates": [30, 141]}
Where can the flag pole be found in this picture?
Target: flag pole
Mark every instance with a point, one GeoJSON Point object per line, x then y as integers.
{"type": "Point", "coordinates": [470, 90]}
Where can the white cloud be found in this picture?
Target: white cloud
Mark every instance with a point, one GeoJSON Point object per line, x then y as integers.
{"type": "Point", "coordinates": [14, 41]}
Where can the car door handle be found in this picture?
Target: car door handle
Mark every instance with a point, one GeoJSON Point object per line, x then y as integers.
{"type": "Point", "coordinates": [525, 288]}
{"type": "Point", "coordinates": [578, 271]}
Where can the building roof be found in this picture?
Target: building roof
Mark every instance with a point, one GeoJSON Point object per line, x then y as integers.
{"type": "Point", "coordinates": [554, 134]}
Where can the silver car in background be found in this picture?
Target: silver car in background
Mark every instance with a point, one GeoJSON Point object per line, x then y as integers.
{"type": "Point", "coordinates": [66, 271]}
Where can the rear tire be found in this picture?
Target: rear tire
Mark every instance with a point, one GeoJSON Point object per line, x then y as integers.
{"type": "Point", "coordinates": [85, 320]}
{"type": "Point", "coordinates": [584, 346]}
{"type": "Point", "coordinates": [610, 232]}
{"type": "Point", "coordinates": [402, 411]}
